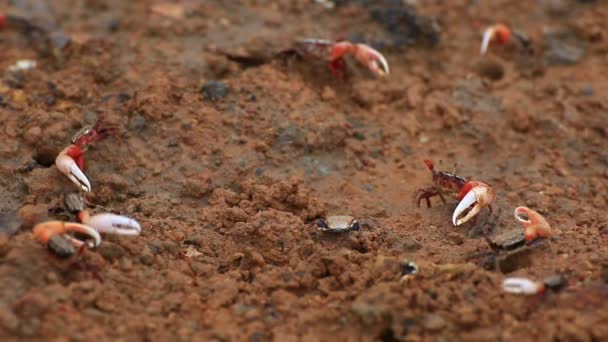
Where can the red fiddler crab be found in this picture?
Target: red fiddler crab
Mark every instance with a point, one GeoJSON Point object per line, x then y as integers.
{"type": "Point", "coordinates": [335, 51]}
{"type": "Point", "coordinates": [470, 193]}
{"type": "Point", "coordinates": [70, 160]}
{"type": "Point", "coordinates": [500, 34]}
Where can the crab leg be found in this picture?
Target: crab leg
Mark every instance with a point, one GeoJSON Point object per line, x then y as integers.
{"type": "Point", "coordinates": [474, 193]}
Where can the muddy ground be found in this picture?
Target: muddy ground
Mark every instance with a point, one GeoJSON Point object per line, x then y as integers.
{"type": "Point", "coordinates": [226, 178]}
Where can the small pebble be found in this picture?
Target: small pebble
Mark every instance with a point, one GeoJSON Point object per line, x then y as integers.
{"type": "Point", "coordinates": [214, 90]}
{"type": "Point", "coordinates": [137, 123]}
{"type": "Point", "coordinates": [433, 322]}
{"type": "Point", "coordinates": [61, 246]}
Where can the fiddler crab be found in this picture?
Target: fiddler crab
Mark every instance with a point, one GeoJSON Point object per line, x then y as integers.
{"type": "Point", "coordinates": [500, 34]}
{"type": "Point", "coordinates": [511, 245]}
{"type": "Point", "coordinates": [337, 224]}
{"type": "Point", "coordinates": [70, 160]}
{"type": "Point", "coordinates": [336, 51]}
{"type": "Point", "coordinates": [470, 193]}
{"type": "Point", "coordinates": [88, 225]}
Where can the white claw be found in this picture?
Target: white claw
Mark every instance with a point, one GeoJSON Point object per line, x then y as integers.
{"type": "Point", "coordinates": [481, 195]}
{"type": "Point", "coordinates": [68, 167]}
{"type": "Point", "coordinates": [89, 232]}
{"type": "Point", "coordinates": [373, 59]}
{"type": "Point", "coordinates": [114, 224]}
{"type": "Point", "coordinates": [521, 286]}
{"type": "Point", "coordinates": [488, 34]}
{"type": "Point", "coordinates": [521, 213]}
{"type": "Point", "coordinates": [469, 199]}
{"type": "Point", "coordinates": [383, 70]}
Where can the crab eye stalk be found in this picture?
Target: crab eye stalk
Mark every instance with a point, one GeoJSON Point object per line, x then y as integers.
{"type": "Point", "coordinates": [355, 225]}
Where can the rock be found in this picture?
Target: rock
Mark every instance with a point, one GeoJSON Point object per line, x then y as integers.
{"type": "Point", "coordinates": [555, 282]}
{"type": "Point", "coordinates": [252, 259]}
{"type": "Point", "coordinates": [433, 322]}
{"type": "Point", "coordinates": [146, 257]}
{"type": "Point", "coordinates": [8, 320]}
{"type": "Point", "coordinates": [214, 90]}
{"type": "Point", "coordinates": [137, 123]}
{"type": "Point", "coordinates": [61, 246]}
{"type": "Point", "coordinates": [32, 136]}
{"type": "Point", "coordinates": [562, 47]}
{"type": "Point", "coordinates": [328, 94]}
{"type": "Point", "coordinates": [407, 245]}
{"type": "Point", "coordinates": [9, 223]}
{"type": "Point", "coordinates": [74, 202]}
{"type": "Point", "coordinates": [111, 251]}
{"type": "Point", "coordinates": [456, 238]}
{"type": "Point", "coordinates": [520, 121]}
{"type": "Point", "coordinates": [32, 214]}
{"type": "Point", "coordinates": [370, 314]}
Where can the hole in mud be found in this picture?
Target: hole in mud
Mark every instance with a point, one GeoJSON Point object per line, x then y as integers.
{"type": "Point", "coordinates": [490, 69]}
{"type": "Point", "coordinates": [45, 156]}
{"type": "Point", "coordinates": [387, 335]}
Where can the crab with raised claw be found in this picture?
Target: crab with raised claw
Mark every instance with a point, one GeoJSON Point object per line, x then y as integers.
{"type": "Point", "coordinates": [103, 223]}
{"type": "Point", "coordinates": [70, 160]}
{"type": "Point", "coordinates": [470, 193]}
{"type": "Point", "coordinates": [335, 51]}
{"type": "Point", "coordinates": [500, 34]}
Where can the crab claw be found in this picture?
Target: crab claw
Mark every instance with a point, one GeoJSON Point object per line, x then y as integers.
{"type": "Point", "coordinates": [113, 224]}
{"type": "Point", "coordinates": [499, 33]}
{"type": "Point", "coordinates": [522, 286]}
{"type": "Point", "coordinates": [45, 230]}
{"type": "Point", "coordinates": [535, 224]}
{"type": "Point", "coordinates": [474, 193]}
{"type": "Point", "coordinates": [373, 59]}
{"type": "Point", "coordinates": [67, 165]}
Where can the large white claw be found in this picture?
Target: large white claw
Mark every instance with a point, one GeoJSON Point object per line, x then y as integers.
{"type": "Point", "coordinates": [481, 195]}
{"type": "Point", "coordinates": [488, 34]}
{"type": "Point", "coordinates": [373, 59]}
{"type": "Point", "coordinates": [522, 286]}
{"type": "Point", "coordinates": [114, 224]}
{"type": "Point", "coordinates": [68, 167]}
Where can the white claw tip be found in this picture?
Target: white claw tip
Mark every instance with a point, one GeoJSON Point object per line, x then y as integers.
{"type": "Point", "coordinates": [68, 167]}
{"type": "Point", "coordinates": [488, 34]}
{"type": "Point", "coordinates": [469, 199]}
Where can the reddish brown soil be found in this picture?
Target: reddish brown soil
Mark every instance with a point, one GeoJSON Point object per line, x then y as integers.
{"type": "Point", "coordinates": [225, 190]}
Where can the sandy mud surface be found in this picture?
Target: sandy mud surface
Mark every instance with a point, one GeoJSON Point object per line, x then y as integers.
{"type": "Point", "coordinates": [226, 153]}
